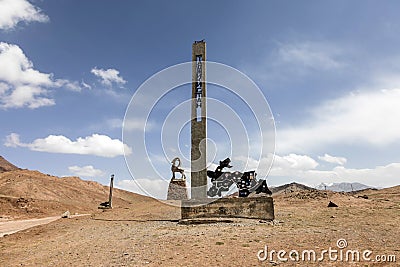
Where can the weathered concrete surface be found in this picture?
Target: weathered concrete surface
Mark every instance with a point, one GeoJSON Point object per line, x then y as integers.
{"type": "Point", "coordinates": [198, 154]}
{"type": "Point", "coordinates": [177, 190]}
{"type": "Point", "coordinates": [252, 208]}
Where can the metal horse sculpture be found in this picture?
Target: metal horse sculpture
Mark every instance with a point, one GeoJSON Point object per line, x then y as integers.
{"type": "Point", "coordinates": [176, 163]}
{"type": "Point", "coordinates": [246, 182]}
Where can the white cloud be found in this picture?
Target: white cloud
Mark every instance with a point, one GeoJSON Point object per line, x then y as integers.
{"type": "Point", "coordinates": [359, 118]}
{"type": "Point", "coordinates": [282, 165]}
{"type": "Point", "coordinates": [292, 63]}
{"type": "Point", "coordinates": [12, 140]}
{"type": "Point", "coordinates": [138, 124]}
{"type": "Point", "coordinates": [294, 162]}
{"type": "Point", "coordinates": [331, 159]}
{"type": "Point", "coordinates": [87, 86]}
{"type": "Point", "coordinates": [98, 145]}
{"type": "Point", "coordinates": [14, 11]}
{"type": "Point", "coordinates": [380, 176]}
{"type": "Point", "coordinates": [387, 175]}
{"type": "Point", "coordinates": [114, 123]}
{"type": "Point", "coordinates": [85, 171]}
{"type": "Point", "coordinates": [131, 124]}
{"type": "Point", "coordinates": [155, 188]}
{"type": "Point", "coordinates": [72, 86]}
{"type": "Point", "coordinates": [109, 76]}
{"type": "Point", "coordinates": [23, 86]}
{"type": "Point", "coordinates": [304, 169]}
{"type": "Point", "coordinates": [310, 54]}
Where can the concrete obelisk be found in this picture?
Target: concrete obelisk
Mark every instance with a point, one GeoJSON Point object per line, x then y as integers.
{"type": "Point", "coordinates": [199, 122]}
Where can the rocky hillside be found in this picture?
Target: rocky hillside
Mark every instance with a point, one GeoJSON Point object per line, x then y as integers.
{"type": "Point", "coordinates": [6, 166]}
{"type": "Point", "coordinates": [28, 194]}
{"type": "Point", "coordinates": [289, 188]}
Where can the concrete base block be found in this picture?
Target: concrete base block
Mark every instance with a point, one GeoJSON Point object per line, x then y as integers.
{"type": "Point", "coordinates": [252, 208]}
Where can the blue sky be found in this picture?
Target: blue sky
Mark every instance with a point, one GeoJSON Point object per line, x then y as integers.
{"type": "Point", "coordinates": [329, 70]}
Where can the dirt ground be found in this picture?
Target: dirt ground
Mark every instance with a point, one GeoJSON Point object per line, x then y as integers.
{"type": "Point", "coordinates": [147, 234]}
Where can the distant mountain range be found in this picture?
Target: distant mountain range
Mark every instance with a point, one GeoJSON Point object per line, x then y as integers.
{"type": "Point", "coordinates": [335, 187]}
{"type": "Point", "coordinates": [343, 187]}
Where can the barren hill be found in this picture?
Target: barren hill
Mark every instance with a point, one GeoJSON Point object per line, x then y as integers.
{"type": "Point", "coordinates": [289, 188]}
{"type": "Point", "coordinates": [6, 166]}
{"type": "Point", "coordinates": [28, 194]}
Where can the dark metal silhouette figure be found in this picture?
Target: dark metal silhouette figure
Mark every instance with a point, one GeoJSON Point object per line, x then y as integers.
{"type": "Point", "coordinates": [246, 182]}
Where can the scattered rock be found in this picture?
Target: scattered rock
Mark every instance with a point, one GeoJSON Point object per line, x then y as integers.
{"type": "Point", "coordinates": [66, 214]}
{"type": "Point", "coordinates": [332, 205]}
{"type": "Point", "coordinates": [306, 194]}
{"type": "Point", "coordinates": [364, 197]}
{"type": "Point", "coordinates": [333, 217]}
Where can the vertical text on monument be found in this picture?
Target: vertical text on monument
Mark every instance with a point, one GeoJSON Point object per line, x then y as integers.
{"type": "Point", "coordinates": [198, 122]}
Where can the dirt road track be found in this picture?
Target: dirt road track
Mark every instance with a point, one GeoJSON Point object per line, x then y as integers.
{"type": "Point", "coordinates": [10, 227]}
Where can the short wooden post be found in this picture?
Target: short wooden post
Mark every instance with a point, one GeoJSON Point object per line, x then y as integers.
{"type": "Point", "coordinates": [111, 189]}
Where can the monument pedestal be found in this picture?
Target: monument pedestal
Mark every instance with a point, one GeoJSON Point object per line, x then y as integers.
{"type": "Point", "coordinates": [177, 190]}
{"type": "Point", "coordinates": [251, 207]}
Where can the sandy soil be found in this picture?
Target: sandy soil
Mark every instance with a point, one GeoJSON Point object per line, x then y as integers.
{"type": "Point", "coordinates": [146, 233]}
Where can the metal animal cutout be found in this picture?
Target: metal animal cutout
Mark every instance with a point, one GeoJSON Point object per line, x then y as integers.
{"type": "Point", "coordinates": [246, 182]}
{"type": "Point", "coordinates": [176, 163]}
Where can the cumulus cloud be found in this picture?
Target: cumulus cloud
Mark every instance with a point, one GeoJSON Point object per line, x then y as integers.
{"type": "Point", "coordinates": [369, 117]}
{"type": "Point", "coordinates": [23, 86]}
{"type": "Point", "coordinates": [387, 175]}
{"type": "Point", "coordinates": [331, 159]}
{"type": "Point", "coordinates": [96, 144]}
{"type": "Point", "coordinates": [155, 188]}
{"type": "Point", "coordinates": [85, 171]}
{"type": "Point", "coordinates": [294, 161]}
{"type": "Point", "coordinates": [12, 140]}
{"type": "Point", "coordinates": [305, 169]}
{"type": "Point", "coordinates": [281, 165]}
{"type": "Point", "coordinates": [14, 11]}
{"type": "Point", "coordinates": [108, 76]}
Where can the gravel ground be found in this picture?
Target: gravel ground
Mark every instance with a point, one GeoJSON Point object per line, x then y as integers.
{"type": "Point", "coordinates": [149, 235]}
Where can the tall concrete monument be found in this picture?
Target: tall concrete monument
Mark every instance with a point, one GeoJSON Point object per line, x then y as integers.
{"type": "Point", "coordinates": [199, 122]}
{"type": "Point", "coordinates": [253, 201]}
